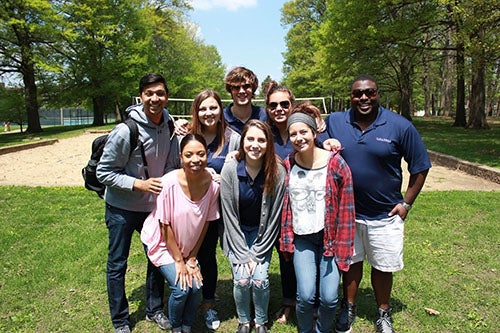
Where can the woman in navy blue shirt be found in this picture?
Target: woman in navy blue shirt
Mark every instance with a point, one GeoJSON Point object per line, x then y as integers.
{"type": "Point", "coordinates": [208, 121]}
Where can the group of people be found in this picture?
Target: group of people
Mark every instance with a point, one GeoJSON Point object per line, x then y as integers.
{"type": "Point", "coordinates": [326, 194]}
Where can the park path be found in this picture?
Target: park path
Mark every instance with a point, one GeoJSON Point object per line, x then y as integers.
{"type": "Point", "coordinates": [60, 164]}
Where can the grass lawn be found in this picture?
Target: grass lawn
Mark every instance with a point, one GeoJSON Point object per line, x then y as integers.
{"type": "Point", "coordinates": [53, 247]}
{"type": "Point", "coordinates": [479, 146]}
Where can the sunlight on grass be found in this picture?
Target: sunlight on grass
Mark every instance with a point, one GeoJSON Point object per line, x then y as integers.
{"type": "Point", "coordinates": [54, 246]}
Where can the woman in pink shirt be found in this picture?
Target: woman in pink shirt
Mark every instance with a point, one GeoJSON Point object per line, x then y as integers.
{"type": "Point", "coordinates": [174, 231]}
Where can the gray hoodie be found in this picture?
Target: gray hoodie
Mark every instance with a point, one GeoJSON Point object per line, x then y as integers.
{"type": "Point", "coordinates": [118, 169]}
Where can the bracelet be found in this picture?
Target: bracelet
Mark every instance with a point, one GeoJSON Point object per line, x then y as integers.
{"type": "Point", "coordinates": [192, 266]}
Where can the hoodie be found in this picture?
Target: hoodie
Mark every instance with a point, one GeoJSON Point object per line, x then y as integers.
{"type": "Point", "coordinates": [118, 169]}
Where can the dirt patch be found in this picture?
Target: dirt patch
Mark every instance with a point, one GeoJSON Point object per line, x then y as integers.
{"type": "Point", "coordinates": [60, 164]}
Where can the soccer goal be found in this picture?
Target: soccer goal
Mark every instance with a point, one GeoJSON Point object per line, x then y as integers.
{"type": "Point", "coordinates": [181, 107]}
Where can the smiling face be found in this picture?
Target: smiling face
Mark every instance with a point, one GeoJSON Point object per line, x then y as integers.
{"type": "Point", "coordinates": [154, 97]}
{"type": "Point", "coordinates": [209, 112]}
{"type": "Point", "coordinates": [364, 98]}
{"type": "Point", "coordinates": [194, 157]}
{"type": "Point", "coordinates": [255, 144]}
{"type": "Point", "coordinates": [301, 136]}
{"type": "Point", "coordinates": [242, 93]}
{"type": "Point", "coordinates": [278, 107]}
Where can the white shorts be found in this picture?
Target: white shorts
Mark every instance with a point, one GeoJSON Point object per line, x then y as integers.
{"type": "Point", "coordinates": [381, 242]}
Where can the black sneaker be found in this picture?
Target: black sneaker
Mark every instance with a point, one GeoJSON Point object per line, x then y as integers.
{"type": "Point", "coordinates": [161, 319]}
{"type": "Point", "coordinates": [346, 317]}
{"type": "Point", "coordinates": [243, 328]}
{"type": "Point", "coordinates": [384, 321]}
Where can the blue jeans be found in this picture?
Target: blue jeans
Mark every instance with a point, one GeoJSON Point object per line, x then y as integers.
{"type": "Point", "coordinates": [121, 226]}
{"type": "Point", "coordinates": [256, 286]}
{"type": "Point", "coordinates": [182, 304]}
{"type": "Point", "coordinates": [310, 263]}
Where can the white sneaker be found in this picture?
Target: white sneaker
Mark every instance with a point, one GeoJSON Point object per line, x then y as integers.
{"type": "Point", "coordinates": [212, 320]}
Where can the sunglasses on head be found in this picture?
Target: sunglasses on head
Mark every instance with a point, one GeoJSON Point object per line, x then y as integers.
{"type": "Point", "coordinates": [367, 92]}
{"type": "Point", "coordinates": [283, 104]}
{"type": "Point", "coordinates": [245, 86]}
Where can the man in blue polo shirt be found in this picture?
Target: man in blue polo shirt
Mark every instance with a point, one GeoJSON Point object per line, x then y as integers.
{"type": "Point", "coordinates": [242, 83]}
{"type": "Point", "coordinates": [374, 142]}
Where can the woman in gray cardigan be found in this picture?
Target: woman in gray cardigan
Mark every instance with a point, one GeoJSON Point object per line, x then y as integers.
{"type": "Point", "coordinates": [252, 190]}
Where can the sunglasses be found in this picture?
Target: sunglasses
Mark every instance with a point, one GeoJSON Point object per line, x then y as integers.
{"type": "Point", "coordinates": [245, 86]}
{"type": "Point", "coordinates": [367, 92]}
{"type": "Point", "coordinates": [273, 105]}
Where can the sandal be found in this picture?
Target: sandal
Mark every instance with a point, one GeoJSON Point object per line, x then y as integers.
{"type": "Point", "coordinates": [283, 314]}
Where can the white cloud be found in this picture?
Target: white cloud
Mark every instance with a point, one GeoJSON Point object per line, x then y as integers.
{"type": "Point", "coordinates": [232, 5]}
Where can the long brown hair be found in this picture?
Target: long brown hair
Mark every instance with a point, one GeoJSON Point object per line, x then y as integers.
{"type": "Point", "coordinates": [270, 159]}
{"type": "Point", "coordinates": [197, 127]}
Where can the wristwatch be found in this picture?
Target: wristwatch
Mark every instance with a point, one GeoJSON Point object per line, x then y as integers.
{"type": "Point", "coordinates": [406, 206]}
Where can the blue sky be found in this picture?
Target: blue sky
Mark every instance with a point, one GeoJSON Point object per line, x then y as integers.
{"type": "Point", "coordinates": [245, 32]}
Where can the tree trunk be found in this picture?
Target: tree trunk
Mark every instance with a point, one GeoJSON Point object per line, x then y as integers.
{"type": "Point", "coordinates": [27, 70]}
{"type": "Point", "coordinates": [477, 115]}
{"type": "Point", "coordinates": [118, 113]}
{"type": "Point", "coordinates": [447, 82]}
{"type": "Point", "coordinates": [427, 89]}
{"type": "Point", "coordinates": [406, 89]}
{"type": "Point", "coordinates": [98, 103]}
{"type": "Point", "coordinates": [460, 107]}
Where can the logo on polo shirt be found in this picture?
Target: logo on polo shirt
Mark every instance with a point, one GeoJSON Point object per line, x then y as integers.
{"type": "Point", "coordinates": [383, 140]}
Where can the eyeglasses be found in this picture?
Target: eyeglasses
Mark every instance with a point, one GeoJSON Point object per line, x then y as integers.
{"type": "Point", "coordinates": [367, 92]}
{"type": "Point", "coordinates": [245, 86]}
{"type": "Point", "coordinates": [273, 105]}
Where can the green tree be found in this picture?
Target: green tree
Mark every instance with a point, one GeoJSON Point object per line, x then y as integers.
{"type": "Point", "coordinates": [13, 107]}
{"type": "Point", "coordinates": [302, 65]}
{"type": "Point", "coordinates": [187, 62]}
{"type": "Point", "coordinates": [104, 54]}
{"type": "Point", "coordinates": [385, 39]}
{"type": "Point", "coordinates": [28, 29]}
{"type": "Point", "coordinates": [263, 84]}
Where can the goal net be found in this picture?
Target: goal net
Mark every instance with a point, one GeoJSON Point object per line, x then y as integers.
{"type": "Point", "coordinates": [181, 107]}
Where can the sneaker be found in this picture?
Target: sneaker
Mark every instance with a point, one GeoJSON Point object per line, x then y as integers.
{"type": "Point", "coordinates": [243, 328]}
{"type": "Point", "coordinates": [384, 321]}
{"type": "Point", "coordinates": [346, 317]}
{"type": "Point", "coordinates": [261, 329]}
{"type": "Point", "coordinates": [161, 319]}
{"type": "Point", "coordinates": [122, 329]}
{"type": "Point", "coordinates": [211, 319]}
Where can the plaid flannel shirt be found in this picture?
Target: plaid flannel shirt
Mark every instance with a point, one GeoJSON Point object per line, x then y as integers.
{"type": "Point", "coordinates": [340, 216]}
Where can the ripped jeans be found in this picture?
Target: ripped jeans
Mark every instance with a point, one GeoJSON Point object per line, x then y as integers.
{"type": "Point", "coordinates": [247, 287]}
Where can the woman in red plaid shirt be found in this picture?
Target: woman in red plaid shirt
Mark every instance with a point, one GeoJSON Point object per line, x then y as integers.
{"type": "Point", "coordinates": [318, 221]}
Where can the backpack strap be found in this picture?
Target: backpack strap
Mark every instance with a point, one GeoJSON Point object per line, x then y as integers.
{"type": "Point", "coordinates": [134, 142]}
{"type": "Point", "coordinates": [171, 127]}
{"type": "Point", "coordinates": [134, 133]}
{"type": "Point", "coordinates": [134, 139]}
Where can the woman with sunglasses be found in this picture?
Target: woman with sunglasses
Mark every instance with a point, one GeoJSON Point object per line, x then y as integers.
{"type": "Point", "coordinates": [279, 104]}
{"type": "Point", "coordinates": [208, 121]}
{"type": "Point", "coordinates": [252, 190]}
{"type": "Point", "coordinates": [317, 223]}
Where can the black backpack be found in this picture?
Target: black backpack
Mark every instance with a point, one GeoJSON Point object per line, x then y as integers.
{"type": "Point", "coordinates": [89, 171]}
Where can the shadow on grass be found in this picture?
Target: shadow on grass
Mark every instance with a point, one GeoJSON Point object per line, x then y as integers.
{"type": "Point", "coordinates": [366, 305]}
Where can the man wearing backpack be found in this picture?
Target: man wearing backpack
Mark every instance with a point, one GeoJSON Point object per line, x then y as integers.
{"type": "Point", "coordinates": [133, 180]}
